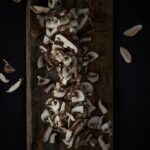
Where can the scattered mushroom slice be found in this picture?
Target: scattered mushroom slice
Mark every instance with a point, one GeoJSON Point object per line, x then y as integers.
{"type": "Point", "coordinates": [15, 86]}
{"type": "Point", "coordinates": [39, 9]}
{"type": "Point", "coordinates": [79, 128]}
{"type": "Point", "coordinates": [78, 109]}
{"type": "Point", "coordinates": [52, 32]}
{"type": "Point", "coordinates": [92, 55]}
{"type": "Point", "coordinates": [3, 78]}
{"type": "Point", "coordinates": [87, 88]}
{"type": "Point", "coordinates": [43, 81]}
{"type": "Point", "coordinates": [69, 143]}
{"type": "Point", "coordinates": [102, 144]}
{"type": "Point", "coordinates": [91, 107]}
{"type": "Point", "coordinates": [8, 68]}
{"type": "Point", "coordinates": [49, 88]}
{"type": "Point", "coordinates": [63, 105]}
{"type": "Point", "coordinates": [40, 62]}
{"type": "Point", "coordinates": [93, 77]}
{"type": "Point", "coordinates": [84, 11]}
{"type": "Point", "coordinates": [79, 98]}
{"type": "Point", "coordinates": [93, 122]}
{"type": "Point", "coordinates": [100, 121]}
{"type": "Point", "coordinates": [68, 134]}
{"type": "Point", "coordinates": [47, 134]}
{"type": "Point", "coordinates": [133, 30]}
{"type": "Point", "coordinates": [82, 23]}
{"type": "Point", "coordinates": [107, 128]}
{"type": "Point", "coordinates": [66, 42]}
{"type": "Point", "coordinates": [89, 136]}
{"type": "Point", "coordinates": [45, 117]}
{"type": "Point", "coordinates": [57, 121]}
{"type": "Point", "coordinates": [125, 54]}
{"type": "Point", "coordinates": [54, 4]}
{"type": "Point", "coordinates": [53, 138]}
{"type": "Point", "coordinates": [59, 94]}
{"type": "Point", "coordinates": [102, 107]}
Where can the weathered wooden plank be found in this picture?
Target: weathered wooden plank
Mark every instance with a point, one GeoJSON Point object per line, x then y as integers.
{"type": "Point", "coordinates": [103, 43]}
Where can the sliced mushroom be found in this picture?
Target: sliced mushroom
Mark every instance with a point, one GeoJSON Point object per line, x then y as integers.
{"type": "Point", "coordinates": [15, 86]}
{"type": "Point", "coordinates": [93, 77]}
{"type": "Point", "coordinates": [46, 40]}
{"type": "Point", "coordinates": [63, 106]}
{"type": "Point", "coordinates": [102, 144]}
{"type": "Point", "coordinates": [91, 107]}
{"type": "Point", "coordinates": [52, 32]}
{"type": "Point", "coordinates": [107, 128]}
{"type": "Point", "coordinates": [79, 128]}
{"type": "Point", "coordinates": [87, 88]}
{"type": "Point", "coordinates": [100, 122]}
{"type": "Point", "coordinates": [40, 62]}
{"type": "Point", "coordinates": [47, 134]}
{"type": "Point", "coordinates": [83, 22]}
{"type": "Point", "coordinates": [43, 49]}
{"type": "Point", "coordinates": [133, 30]}
{"type": "Point", "coordinates": [66, 42]}
{"type": "Point", "coordinates": [39, 9]}
{"type": "Point", "coordinates": [59, 93]}
{"type": "Point", "coordinates": [92, 55]}
{"type": "Point", "coordinates": [54, 4]}
{"type": "Point", "coordinates": [89, 136]}
{"type": "Point", "coordinates": [102, 107]}
{"type": "Point", "coordinates": [93, 122]}
{"type": "Point", "coordinates": [77, 142]}
{"type": "Point", "coordinates": [53, 138]}
{"type": "Point", "coordinates": [84, 11]}
{"type": "Point", "coordinates": [57, 121]}
{"type": "Point", "coordinates": [43, 81]}
{"type": "Point", "coordinates": [52, 24]}
{"type": "Point", "coordinates": [45, 117]}
{"type": "Point", "coordinates": [3, 78]}
{"type": "Point", "coordinates": [68, 134]}
{"type": "Point", "coordinates": [77, 109]}
{"type": "Point", "coordinates": [67, 60]}
{"type": "Point", "coordinates": [41, 20]}
{"type": "Point", "coordinates": [48, 88]}
{"type": "Point", "coordinates": [74, 13]}
{"type": "Point", "coordinates": [8, 68]}
{"type": "Point", "coordinates": [79, 98]}
{"type": "Point", "coordinates": [88, 39]}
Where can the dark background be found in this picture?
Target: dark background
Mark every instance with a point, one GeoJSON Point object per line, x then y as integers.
{"type": "Point", "coordinates": [131, 81]}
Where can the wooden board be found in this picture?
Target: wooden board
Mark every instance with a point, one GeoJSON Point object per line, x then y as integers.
{"type": "Point", "coordinates": [103, 43]}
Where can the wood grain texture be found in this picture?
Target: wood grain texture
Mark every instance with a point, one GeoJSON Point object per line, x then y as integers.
{"type": "Point", "coordinates": [101, 13]}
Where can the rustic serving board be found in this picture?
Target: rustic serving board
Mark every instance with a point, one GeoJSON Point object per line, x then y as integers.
{"type": "Point", "coordinates": [101, 11]}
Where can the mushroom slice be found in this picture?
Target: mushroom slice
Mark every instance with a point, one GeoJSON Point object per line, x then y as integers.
{"type": "Point", "coordinates": [93, 77]}
{"type": "Point", "coordinates": [67, 60]}
{"type": "Point", "coordinates": [15, 86]}
{"type": "Point", "coordinates": [52, 24]}
{"type": "Point", "coordinates": [93, 122]}
{"type": "Point", "coordinates": [79, 128]}
{"type": "Point", "coordinates": [41, 20]}
{"type": "Point", "coordinates": [3, 78]}
{"type": "Point", "coordinates": [93, 142]}
{"type": "Point", "coordinates": [66, 42]}
{"type": "Point", "coordinates": [45, 117]}
{"type": "Point", "coordinates": [49, 88]}
{"type": "Point", "coordinates": [70, 142]}
{"type": "Point", "coordinates": [102, 144]}
{"type": "Point", "coordinates": [77, 109]}
{"type": "Point", "coordinates": [57, 121]}
{"type": "Point", "coordinates": [46, 40]}
{"type": "Point", "coordinates": [84, 11]}
{"type": "Point", "coordinates": [133, 30]}
{"type": "Point", "coordinates": [59, 93]}
{"type": "Point", "coordinates": [79, 98]}
{"type": "Point", "coordinates": [68, 134]}
{"type": "Point", "coordinates": [54, 4]}
{"type": "Point", "coordinates": [40, 62]}
{"type": "Point", "coordinates": [42, 81]}
{"type": "Point", "coordinates": [100, 121]}
{"type": "Point", "coordinates": [74, 13]}
{"type": "Point", "coordinates": [107, 128]}
{"type": "Point", "coordinates": [63, 105]}
{"type": "Point", "coordinates": [43, 49]}
{"type": "Point", "coordinates": [102, 107]}
{"type": "Point", "coordinates": [8, 68]}
{"type": "Point", "coordinates": [77, 142]}
{"type": "Point", "coordinates": [92, 55]}
{"type": "Point", "coordinates": [39, 9]}
{"type": "Point", "coordinates": [89, 136]}
{"type": "Point", "coordinates": [88, 39]}
{"type": "Point", "coordinates": [83, 22]}
{"type": "Point", "coordinates": [47, 134]}
{"type": "Point", "coordinates": [52, 32]}
{"type": "Point", "coordinates": [87, 88]}
{"type": "Point", "coordinates": [91, 107]}
{"type": "Point", "coordinates": [125, 55]}
{"type": "Point", "coordinates": [53, 138]}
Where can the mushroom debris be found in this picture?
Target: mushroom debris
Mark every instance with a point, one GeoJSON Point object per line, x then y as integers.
{"type": "Point", "coordinates": [65, 50]}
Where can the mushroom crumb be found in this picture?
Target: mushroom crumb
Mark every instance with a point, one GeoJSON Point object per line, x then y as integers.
{"type": "Point", "coordinates": [65, 50]}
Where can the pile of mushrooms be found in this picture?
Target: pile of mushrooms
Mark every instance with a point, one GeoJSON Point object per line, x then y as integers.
{"type": "Point", "coordinates": [65, 49]}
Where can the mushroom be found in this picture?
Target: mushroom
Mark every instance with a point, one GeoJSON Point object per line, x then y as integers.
{"type": "Point", "coordinates": [79, 128]}
{"type": "Point", "coordinates": [45, 117]}
{"type": "Point", "coordinates": [63, 105]}
{"type": "Point", "coordinates": [39, 9]}
{"type": "Point", "coordinates": [41, 20]}
{"type": "Point", "coordinates": [8, 68]}
{"type": "Point", "coordinates": [77, 109]}
{"type": "Point", "coordinates": [15, 86]}
{"type": "Point", "coordinates": [83, 22]}
{"type": "Point", "coordinates": [91, 107]}
{"type": "Point", "coordinates": [48, 88]}
{"type": "Point", "coordinates": [89, 136]}
{"type": "Point", "coordinates": [42, 81]}
{"type": "Point", "coordinates": [93, 122]}
{"type": "Point", "coordinates": [107, 128]}
{"type": "Point", "coordinates": [93, 77]}
{"type": "Point", "coordinates": [68, 134]}
{"type": "Point", "coordinates": [54, 4]}
{"type": "Point", "coordinates": [3, 78]}
{"type": "Point", "coordinates": [53, 138]}
{"type": "Point", "coordinates": [59, 93]}
{"type": "Point", "coordinates": [43, 49]}
{"type": "Point", "coordinates": [66, 43]}
{"type": "Point", "coordinates": [102, 144]}
{"type": "Point", "coordinates": [76, 145]}
{"type": "Point", "coordinates": [57, 121]}
{"type": "Point", "coordinates": [87, 88]}
{"type": "Point", "coordinates": [92, 55]}
{"type": "Point", "coordinates": [79, 96]}
{"type": "Point", "coordinates": [88, 39]}
{"type": "Point", "coordinates": [52, 23]}
{"type": "Point", "coordinates": [46, 40]}
{"type": "Point", "coordinates": [47, 134]}
{"type": "Point", "coordinates": [52, 32]}
{"type": "Point", "coordinates": [40, 62]}
{"type": "Point", "coordinates": [100, 121]}
{"type": "Point", "coordinates": [84, 11]}
{"type": "Point", "coordinates": [74, 13]}
{"type": "Point", "coordinates": [67, 60]}
{"type": "Point", "coordinates": [102, 107]}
